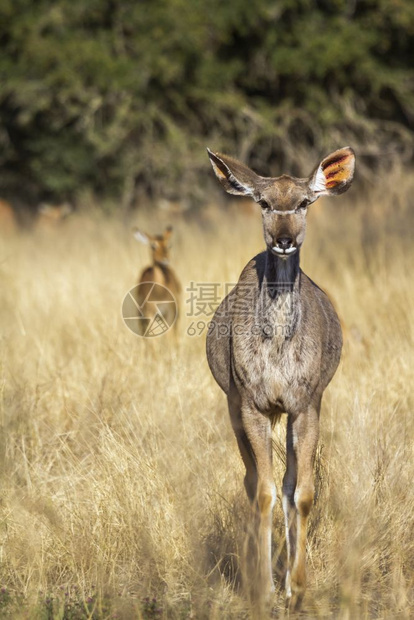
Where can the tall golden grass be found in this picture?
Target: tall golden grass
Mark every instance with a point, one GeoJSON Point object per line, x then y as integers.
{"type": "Point", "coordinates": [121, 479]}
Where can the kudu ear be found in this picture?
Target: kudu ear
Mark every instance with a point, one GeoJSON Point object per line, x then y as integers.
{"type": "Point", "coordinates": [235, 177]}
{"type": "Point", "coordinates": [168, 232]}
{"type": "Point", "coordinates": [141, 236]}
{"type": "Point", "coordinates": [334, 174]}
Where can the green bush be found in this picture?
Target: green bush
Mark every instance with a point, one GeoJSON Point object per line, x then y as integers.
{"type": "Point", "coordinates": [116, 96]}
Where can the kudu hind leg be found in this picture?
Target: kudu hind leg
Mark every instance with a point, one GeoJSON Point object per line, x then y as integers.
{"type": "Point", "coordinates": [253, 432]}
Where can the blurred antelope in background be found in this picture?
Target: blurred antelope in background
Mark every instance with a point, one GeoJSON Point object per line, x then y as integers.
{"type": "Point", "coordinates": [160, 272]}
{"type": "Point", "coordinates": [50, 217]}
{"type": "Point", "coordinates": [8, 221]}
{"type": "Point", "coordinates": [273, 347]}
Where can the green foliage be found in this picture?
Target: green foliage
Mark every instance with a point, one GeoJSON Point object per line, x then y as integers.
{"type": "Point", "coordinates": [115, 95]}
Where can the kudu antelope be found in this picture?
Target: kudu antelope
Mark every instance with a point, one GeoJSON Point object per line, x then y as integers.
{"type": "Point", "coordinates": [51, 217]}
{"type": "Point", "coordinates": [273, 347]}
{"type": "Point", "coordinates": [8, 220]}
{"type": "Point", "coordinates": [160, 272]}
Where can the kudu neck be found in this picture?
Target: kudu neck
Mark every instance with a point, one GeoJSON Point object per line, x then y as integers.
{"type": "Point", "coordinates": [282, 272]}
{"type": "Point", "coordinates": [279, 301]}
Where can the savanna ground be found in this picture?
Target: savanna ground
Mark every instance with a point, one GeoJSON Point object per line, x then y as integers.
{"type": "Point", "coordinates": [122, 487]}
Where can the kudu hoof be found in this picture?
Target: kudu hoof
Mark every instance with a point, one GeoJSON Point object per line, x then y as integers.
{"type": "Point", "coordinates": [293, 600]}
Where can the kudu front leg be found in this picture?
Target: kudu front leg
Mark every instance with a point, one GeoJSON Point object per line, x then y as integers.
{"type": "Point", "coordinates": [254, 435]}
{"type": "Point", "coordinates": [298, 495]}
{"type": "Point", "coordinates": [289, 508]}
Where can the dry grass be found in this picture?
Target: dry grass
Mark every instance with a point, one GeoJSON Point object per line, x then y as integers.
{"type": "Point", "coordinates": [120, 475]}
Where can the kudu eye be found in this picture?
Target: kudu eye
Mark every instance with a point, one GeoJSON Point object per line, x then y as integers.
{"type": "Point", "coordinates": [303, 205]}
{"type": "Point", "coordinates": [265, 205]}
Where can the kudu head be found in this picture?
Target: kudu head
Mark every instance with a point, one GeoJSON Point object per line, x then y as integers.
{"type": "Point", "coordinates": [284, 200]}
{"type": "Point", "coordinates": [159, 244]}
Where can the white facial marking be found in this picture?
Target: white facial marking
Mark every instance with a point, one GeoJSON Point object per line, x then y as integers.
{"type": "Point", "coordinates": [291, 212]}
{"type": "Point", "coordinates": [282, 252]}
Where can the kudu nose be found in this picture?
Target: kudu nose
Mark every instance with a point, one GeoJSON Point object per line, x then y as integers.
{"type": "Point", "coordinates": [284, 242]}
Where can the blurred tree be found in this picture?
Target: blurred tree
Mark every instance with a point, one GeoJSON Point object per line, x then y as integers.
{"type": "Point", "coordinates": [118, 96]}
